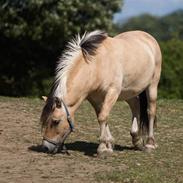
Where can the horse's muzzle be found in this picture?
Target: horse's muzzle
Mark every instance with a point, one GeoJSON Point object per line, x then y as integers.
{"type": "Point", "coordinates": [53, 147]}
{"type": "Point", "coordinates": [50, 147]}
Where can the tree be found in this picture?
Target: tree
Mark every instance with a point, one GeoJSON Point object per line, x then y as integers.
{"type": "Point", "coordinates": [171, 83]}
{"type": "Point", "coordinates": [162, 28]}
{"type": "Point", "coordinates": [33, 34]}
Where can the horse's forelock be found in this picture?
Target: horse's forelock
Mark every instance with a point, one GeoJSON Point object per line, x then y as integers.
{"type": "Point", "coordinates": [49, 107]}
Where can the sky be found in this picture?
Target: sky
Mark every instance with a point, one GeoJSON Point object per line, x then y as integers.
{"type": "Point", "coordinates": [155, 7]}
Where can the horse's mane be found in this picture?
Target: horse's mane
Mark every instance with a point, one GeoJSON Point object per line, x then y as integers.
{"type": "Point", "coordinates": [90, 42]}
{"type": "Point", "coordinates": [87, 45]}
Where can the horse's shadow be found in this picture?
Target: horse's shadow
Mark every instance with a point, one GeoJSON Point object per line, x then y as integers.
{"type": "Point", "coordinates": [88, 148]}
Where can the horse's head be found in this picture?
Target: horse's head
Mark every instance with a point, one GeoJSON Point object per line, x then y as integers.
{"type": "Point", "coordinates": [57, 124]}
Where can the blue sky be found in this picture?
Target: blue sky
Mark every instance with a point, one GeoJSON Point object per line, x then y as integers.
{"type": "Point", "coordinates": [155, 7]}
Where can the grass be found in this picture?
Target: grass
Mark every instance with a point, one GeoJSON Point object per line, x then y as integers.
{"type": "Point", "coordinates": [164, 165]}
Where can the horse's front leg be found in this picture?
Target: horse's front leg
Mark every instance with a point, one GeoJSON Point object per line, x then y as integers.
{"type": "Point", "coordinates": [106, 138]}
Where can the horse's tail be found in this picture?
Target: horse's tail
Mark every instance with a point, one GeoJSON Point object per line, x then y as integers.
{"type": "Point", "coordinates": [144, 119]}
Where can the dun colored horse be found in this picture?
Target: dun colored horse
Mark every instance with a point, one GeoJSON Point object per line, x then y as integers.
{"type": "Point", "coordinates": [104, 69]}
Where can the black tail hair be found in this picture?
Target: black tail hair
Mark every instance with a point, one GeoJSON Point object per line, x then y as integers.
{"type": "Point", "coordinates": [90, 42]}
{"type": "Point", "coordinates": [144, 119]}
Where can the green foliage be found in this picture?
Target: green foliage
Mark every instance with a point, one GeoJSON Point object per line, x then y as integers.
{"type": "Point", "coordinates": [162, 28]}
{"type": "Point", "coordinates": [171, 84]}
{"type": "Point", "coordinates": [33, 34]}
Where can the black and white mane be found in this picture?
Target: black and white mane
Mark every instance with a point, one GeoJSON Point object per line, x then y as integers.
{"type": "Point", "coordinates": [87, 45]}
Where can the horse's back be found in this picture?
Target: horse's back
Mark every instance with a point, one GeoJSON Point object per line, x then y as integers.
{"type": "Point", "coordinates": [133, 38]}
{"type": "Point", "coordinates": [131, 59]}
{"type": "Point", "coordinates": [131, 35]}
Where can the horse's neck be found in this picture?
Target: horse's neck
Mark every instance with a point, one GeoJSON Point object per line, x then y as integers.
{"type": "Point", "coordinates": [77, 84]}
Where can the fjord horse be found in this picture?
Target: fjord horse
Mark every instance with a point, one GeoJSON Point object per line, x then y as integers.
{"type": "Point", "coordinates": [104, 69]}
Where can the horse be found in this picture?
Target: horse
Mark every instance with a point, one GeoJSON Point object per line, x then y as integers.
{"type": "Point", "coordinates": [103, 70]}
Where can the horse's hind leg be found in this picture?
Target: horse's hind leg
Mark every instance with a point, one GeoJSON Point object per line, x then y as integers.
{"type": "Point", "coordinates": [135, 109]}
{"type": "Point", "coordinates": [152, 98]}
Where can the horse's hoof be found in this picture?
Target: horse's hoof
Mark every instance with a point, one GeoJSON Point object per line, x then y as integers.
{"type": "Point", "coordinates": [139, 147]}
{"type": "Point", "coordinates": [103, 150]}
{"type": "Point", "coordinates": [105, 153]}
{"type": "Point", "coordinates": [138, 144]}
{"type": "Point", "coordinates": [150, 144]}
{"type": "Point", "coordinates": [150, 148]}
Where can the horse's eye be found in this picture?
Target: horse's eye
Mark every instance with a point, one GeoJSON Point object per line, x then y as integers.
{"type": "Point", "coordinates": [55, 122]}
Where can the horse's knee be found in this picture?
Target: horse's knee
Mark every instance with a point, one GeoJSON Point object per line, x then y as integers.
{"type": "Point", "coordinates": [102, 118]}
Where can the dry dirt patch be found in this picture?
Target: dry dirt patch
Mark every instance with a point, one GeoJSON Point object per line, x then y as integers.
{"type": "Point", "coordinates": [20, 130]}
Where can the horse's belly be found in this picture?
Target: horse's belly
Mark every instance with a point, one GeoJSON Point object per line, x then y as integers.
{"type": "Point", "coordinates": [134, 87]}
{"type": "Point", "coordinates": [137, 79]}
{"type": "Point", "coordinates": [129, 93]}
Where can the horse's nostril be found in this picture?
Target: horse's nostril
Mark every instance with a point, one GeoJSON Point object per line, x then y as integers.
{"type": "Point", "coordinates": [49, 147]}
{"type": "Point", "coordinates": [45, 149]}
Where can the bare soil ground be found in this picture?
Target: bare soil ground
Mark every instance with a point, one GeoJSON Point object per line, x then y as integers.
{"type": "Point", "coordinates": [20, 131]}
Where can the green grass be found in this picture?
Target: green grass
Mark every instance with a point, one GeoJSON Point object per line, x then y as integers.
{"type": "Point", "coordinates": [164, 165]}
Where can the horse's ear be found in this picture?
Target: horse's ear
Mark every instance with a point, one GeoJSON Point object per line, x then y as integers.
{"type": "Point", "coordinates": [44, 98]}
{"type": "Point", "coordinates": [58, 102]}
